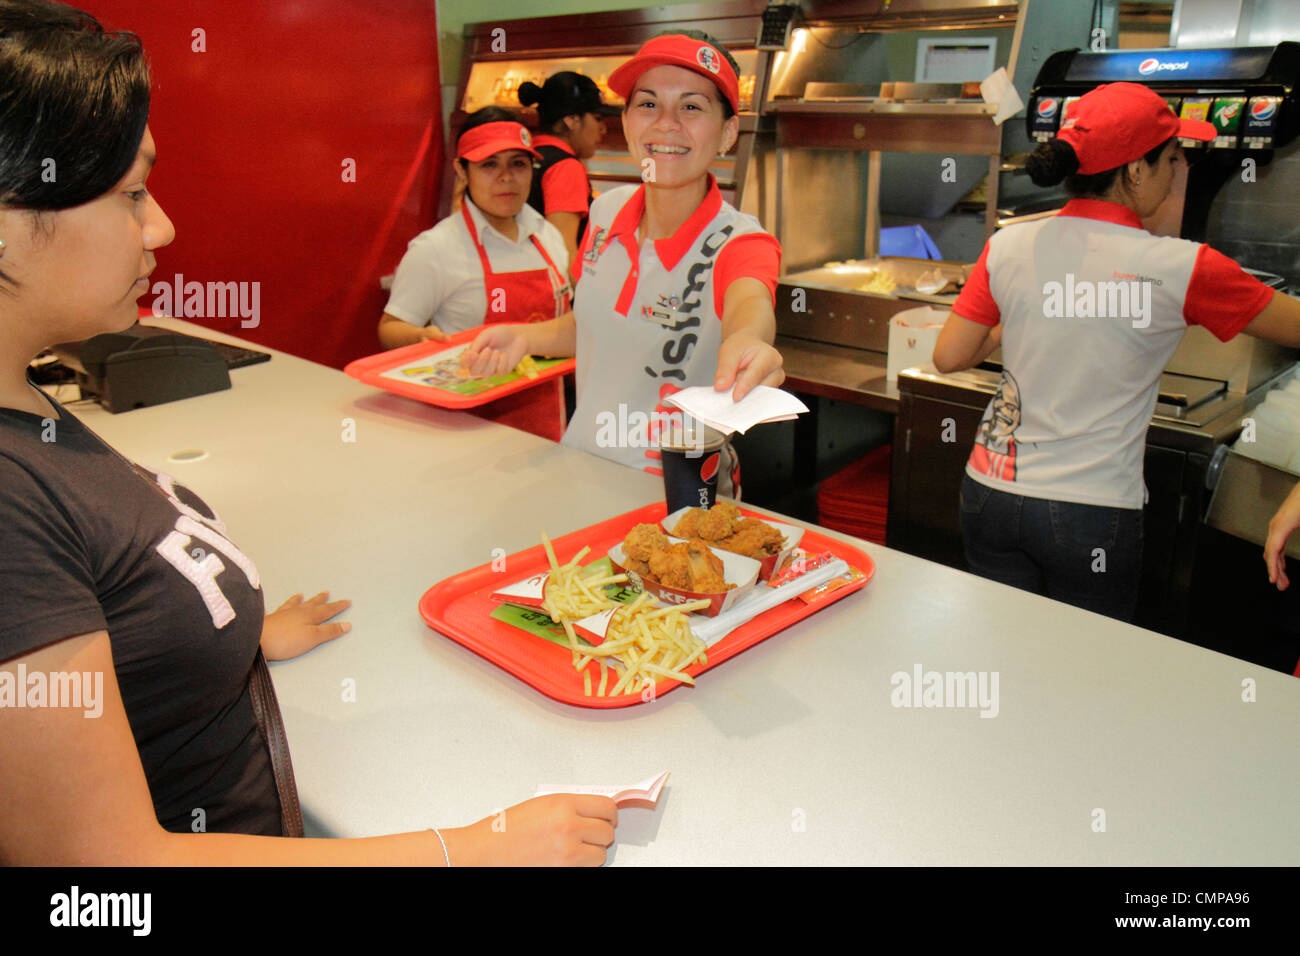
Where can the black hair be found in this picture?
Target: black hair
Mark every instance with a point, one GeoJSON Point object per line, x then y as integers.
{"type": "Point", "coordinates": [71, 93]}
{"type": "Point", "coordinates": [727, 111]}
{"type": "Point", "coordinates": [74, 102]}
{"type": "Point", "coordinates": [560, 96]}
{"type": "Point", "coordinates": [488, 114]}
{"type": "Point", "coordinates": [1055, 161]}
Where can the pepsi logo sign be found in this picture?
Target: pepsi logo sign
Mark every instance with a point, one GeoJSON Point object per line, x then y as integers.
{"type": "Point", "coordinates": [1152, 65]}
{"type": "Point", "coordinates": [1262, 109]}
{"type": "Point", "coordinates": [1047, 107]}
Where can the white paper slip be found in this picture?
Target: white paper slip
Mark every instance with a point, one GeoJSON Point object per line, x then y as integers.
{"type": "Point", "coordinates": [646, 790]}
{"type": "Point", "coordinates": [996, 88]}
{"type": "Point", "coordinates": [718, 410]}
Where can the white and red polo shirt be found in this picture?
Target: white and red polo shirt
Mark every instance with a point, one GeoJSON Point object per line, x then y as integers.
{"type": "Point", "coordinates": [1092, 307]}
{"type": "Point", "coordinates": [649, 315]}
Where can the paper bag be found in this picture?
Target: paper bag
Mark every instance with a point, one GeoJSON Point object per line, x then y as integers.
{"type": "Point", "coordinates": [912, 335]}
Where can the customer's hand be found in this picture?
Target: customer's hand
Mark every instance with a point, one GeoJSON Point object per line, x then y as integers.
{"type": "Point", "coordinates": [1280, 527]}
{"type": "Point", "coordinates": [297, 626]}
{"type": "Point", "coordinates": [560, 829]}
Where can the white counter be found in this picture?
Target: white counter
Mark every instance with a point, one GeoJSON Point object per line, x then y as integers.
{"type": "Point", "coordinates": [792, 752]}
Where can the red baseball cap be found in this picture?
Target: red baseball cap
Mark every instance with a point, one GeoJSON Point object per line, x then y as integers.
{"type": "Point", "coordinates": [489, 139]}
{"type": "Point", "coordinates": [1117, 123]}
{"type": "Point", "coordinates": [678, 50]}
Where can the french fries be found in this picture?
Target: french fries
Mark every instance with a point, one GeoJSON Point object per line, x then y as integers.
{"type": "Point", "coordinates": [527, 367]}
{"type": "Point", "coordinates": [646, 643]}
{"type": "Point", "coordinates": [571, 594]}
{"type": "Point", "coordinates": [643, 643]}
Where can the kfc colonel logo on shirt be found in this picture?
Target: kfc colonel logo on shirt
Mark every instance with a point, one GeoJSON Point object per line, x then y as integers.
{"type": "Point", "coordinates": [707, 57]}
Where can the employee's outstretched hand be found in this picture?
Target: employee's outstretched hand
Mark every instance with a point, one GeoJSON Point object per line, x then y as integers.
{"type": "Point", "coordinates": [1280, 527]}
{"type": "Point", "coordinates": [496, 350]}
{"type": "Point", "coordinates": [296, 626]}
{"type": "Point", "coordinates": [561, 829]}
{"type": "Point", "coordinates": [745, 360]}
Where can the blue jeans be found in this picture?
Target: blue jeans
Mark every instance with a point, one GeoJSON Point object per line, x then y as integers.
{"type": "Point", "coordinates": [1086, 555]}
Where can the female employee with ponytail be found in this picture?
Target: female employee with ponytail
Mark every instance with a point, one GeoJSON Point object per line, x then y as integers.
{"type": "Point", "coordinates": [495, 259]}
{"type": "Point", "coordinates": [572, 119]}
{"type": "Point", "coordinates": [1053, 495]}
{"type": "Point", "coordinates": [97, 573]}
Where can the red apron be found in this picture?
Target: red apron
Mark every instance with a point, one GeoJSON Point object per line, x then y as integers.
{"type": "Point", "coordinates": [532, 295]}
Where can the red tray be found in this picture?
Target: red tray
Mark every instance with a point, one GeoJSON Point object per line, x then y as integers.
{"type": "Point", "coordinates": [459, 608]}
{"type": "Point", "coordinates": [371, 368]}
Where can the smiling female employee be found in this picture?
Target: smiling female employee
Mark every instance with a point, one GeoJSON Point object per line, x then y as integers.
{"type": "Point", "coordinates": [572, 116]}
{"type": "Point", "coordinates": [675, 286]}
{"type": "Point", "coordinates": [99, 573]}
{"type": "Point", "coordinates": [496, 260]}
{"type": "Point", "coordinates": [1088, 307]}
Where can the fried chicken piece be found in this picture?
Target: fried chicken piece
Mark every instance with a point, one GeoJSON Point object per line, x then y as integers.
{"type": "Point", "coordinates": [688, 566]}
{"type": "Point", "coordinates": [712, 525]}
{"type": "Point", "coordinates": [642, 540]}
{"type": "Point", "coordinates": [706, 569]}
{"type": "Point", "coordinates": [688, 524]}
{"type": "Point", "coordinates": [753, 538]}
{"type": "Point", "coordinates": [670, 566]}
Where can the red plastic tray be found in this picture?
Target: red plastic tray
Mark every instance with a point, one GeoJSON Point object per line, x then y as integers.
{"type": "Point", "coordinates": [460, 608]}
{"type": "Point", "coordinates": [371, 368]}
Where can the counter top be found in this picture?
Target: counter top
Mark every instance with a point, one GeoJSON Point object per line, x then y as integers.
{"type": "Point", "coordinates": [791, 753]}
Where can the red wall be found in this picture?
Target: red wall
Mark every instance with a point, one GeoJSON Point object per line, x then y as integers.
{"type": "Point", "coordinates": [252, 135]}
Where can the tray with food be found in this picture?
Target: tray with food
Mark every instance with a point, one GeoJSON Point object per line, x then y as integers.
{"type": "Point", "coordinates": [566, 618]}
{"type": "Point", "coordinates": [431, 372]}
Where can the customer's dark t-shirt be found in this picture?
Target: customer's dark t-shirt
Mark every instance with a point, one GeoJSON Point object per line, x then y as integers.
{"type": "Point", "coordinates": [90, 542]}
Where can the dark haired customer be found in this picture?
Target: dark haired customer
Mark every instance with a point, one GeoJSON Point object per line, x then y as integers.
{"type": "Point", "coordinates": [495, 259]}
{"type": "Point", "coordinates": [97, 574]}
{"type": "Point", "coordinates": [1088, 308]}
{"type": "Point", "coordinates": [571, 114]}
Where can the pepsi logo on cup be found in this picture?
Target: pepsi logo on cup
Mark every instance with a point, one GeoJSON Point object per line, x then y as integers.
{"type": "Point", "coordinates": [709, 469]}
{"type": "Point", "coordinates": [707, 57]}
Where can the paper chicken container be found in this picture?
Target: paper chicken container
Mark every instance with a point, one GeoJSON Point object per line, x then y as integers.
{"type": "Point", "coordinates": [691, 564]}
{"type": "Point", "coordinates": [749, 537]}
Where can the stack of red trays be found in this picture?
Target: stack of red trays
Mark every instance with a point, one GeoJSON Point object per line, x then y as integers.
{"type": "Point", "coordinates": [855, 500]}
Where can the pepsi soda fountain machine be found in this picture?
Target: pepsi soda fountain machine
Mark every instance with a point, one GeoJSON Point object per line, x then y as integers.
{"type": "Point", "coordinates": [1247, 92]}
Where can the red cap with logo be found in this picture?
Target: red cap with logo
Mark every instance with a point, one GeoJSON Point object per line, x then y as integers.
{"type": "Point", "coordinates": [678, 50]}
{"type": "Point", "coordinates": [1117, 123]}
{"type": "Point", "coordinates": [479, 143]}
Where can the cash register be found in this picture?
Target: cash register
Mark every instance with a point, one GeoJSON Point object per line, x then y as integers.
{"type": "Point", "coordinates": [147, 365]}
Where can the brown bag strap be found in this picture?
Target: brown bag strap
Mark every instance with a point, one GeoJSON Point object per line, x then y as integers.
{"type": "Point", "coordinates": [267, 712]}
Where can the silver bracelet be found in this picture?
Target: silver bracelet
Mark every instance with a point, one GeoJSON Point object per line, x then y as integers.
{"type": "Point", "coordinates": [445, 855]}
